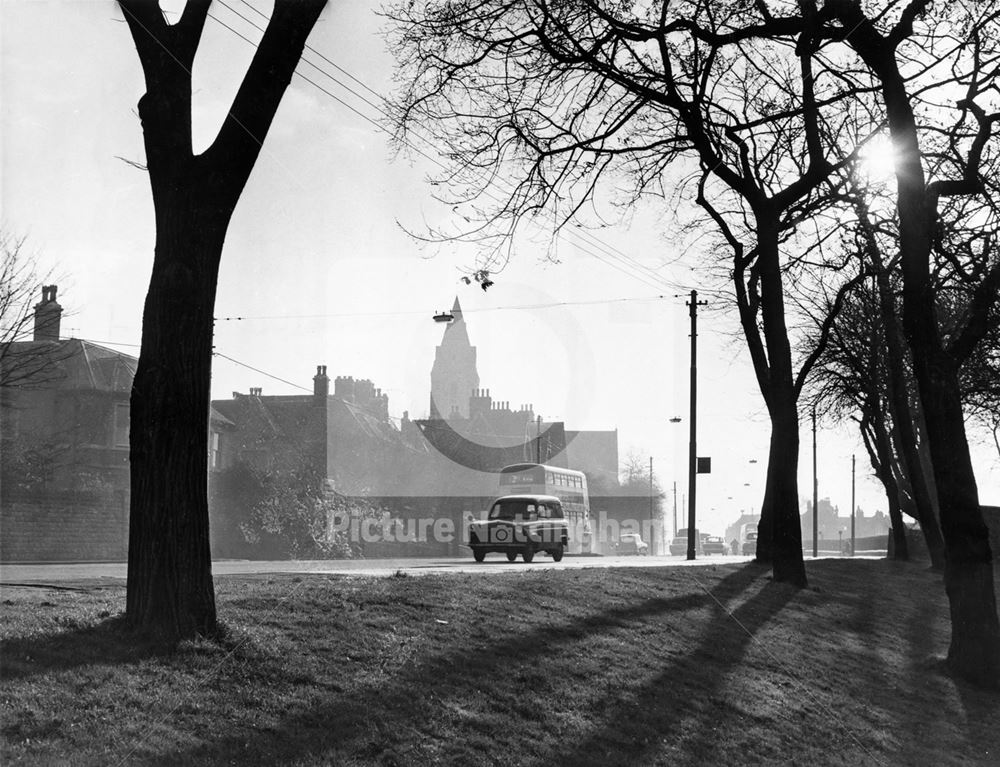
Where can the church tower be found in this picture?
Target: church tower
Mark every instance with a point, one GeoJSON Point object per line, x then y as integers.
{"type": "Point", "coordinates": [454, 375]}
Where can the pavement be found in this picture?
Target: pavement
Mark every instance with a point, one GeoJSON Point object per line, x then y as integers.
{"type": "Point", "coordinates": [97, 574]}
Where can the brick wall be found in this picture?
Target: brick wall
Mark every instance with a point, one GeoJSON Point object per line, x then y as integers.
{"type": "Point", "coordinates": [918, 549]}
{"type": "Point", "coordinates": [64, 527]}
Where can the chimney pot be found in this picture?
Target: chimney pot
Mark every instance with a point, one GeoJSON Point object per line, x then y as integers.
{"type": "Point", "coordinates": [48, 314]}
{"type": "Point", "coordinates": [321, 386]}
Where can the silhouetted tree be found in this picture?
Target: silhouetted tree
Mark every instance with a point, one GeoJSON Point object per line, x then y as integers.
{"type": "Point", "coordinates": [170, 588]}
{"type": "Point", "coordinates": [865, 373]}
{"type": "Point", "coordinates": [562, 94]}
{"type": "Point", "coordinates": [922, 55]}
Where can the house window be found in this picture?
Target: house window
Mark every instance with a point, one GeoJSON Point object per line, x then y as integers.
{"type": "Point", "coordinates": [214, 456]}
{"type": "Point", "coordinates": [121, 425]}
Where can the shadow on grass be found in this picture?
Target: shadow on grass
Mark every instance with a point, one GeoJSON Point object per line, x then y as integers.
{"type": "Point", "coordinates": [658, 714]}
{"type": "Point", "coordinates": [381, 723]}
{"type": "Point", "coordinates": [982, 709]}
{"type": "Point", "coordinates": [106, 642]}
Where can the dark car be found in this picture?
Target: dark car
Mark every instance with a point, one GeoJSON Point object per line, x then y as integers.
{"type": "Point", "coordinates": [631, 543]}
{"type": "Point", "coordinates": [749, 543]}
{"type": "Point", "coordinates": [521, 524]}
{"type": "Point", "coordinates": [713, 544]}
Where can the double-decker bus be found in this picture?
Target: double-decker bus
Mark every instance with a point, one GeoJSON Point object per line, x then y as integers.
{"type": "Point", "coordinates": [569, 486]}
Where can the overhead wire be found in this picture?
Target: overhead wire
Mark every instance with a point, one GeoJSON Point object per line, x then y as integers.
{"type": "Point", "coordinates": [424, 312]}
{"type": "Point", "coordinates": [582, 239]}
{"type": "Point", "coordinates": [607, 248]}
{"type": "Point", "coordinates": [262, 372]}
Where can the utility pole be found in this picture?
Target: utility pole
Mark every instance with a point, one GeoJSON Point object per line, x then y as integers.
{"type": "Point", "coordinates": [538, 440]}
{"type": "Point", "coordinates": [815, 491]}
{"type": "Point", "coordinates": [692, 444]}
{"type": "Point", "coordinates": [853, 507]}
{"type": "Point", "coordinates": [652, 526]}
{"type": "Point", "coordinates": [675, 508]}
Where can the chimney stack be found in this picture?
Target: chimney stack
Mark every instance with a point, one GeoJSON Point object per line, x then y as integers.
{"type": "Point", "coordinates": [48, 314]}
{"type": "Point", "coordinates": [321, 386]}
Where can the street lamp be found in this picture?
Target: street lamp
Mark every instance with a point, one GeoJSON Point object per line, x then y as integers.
{"type": "Point", "coordinates": [652, 525]}
{"type": "Point", "coordinates": [675, 419]}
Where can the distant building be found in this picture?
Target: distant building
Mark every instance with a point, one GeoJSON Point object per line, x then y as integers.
{"type": "Point", "coordinates": [831, 526]}
{"type": "Point", "coordinates": [64, 424]}
{"type": "Point", "coordinates": [64, 444]}
{"type": "Point", "coordinates": [468, 425]}
{"type": "Point", "coordinates": [65, 409]}
{"type": "Point", "coordinates": [344, 438]}
{"type": "Point", "coordinates": [64, 441]}
{"type": "Point", "coordinates": [453, 374]}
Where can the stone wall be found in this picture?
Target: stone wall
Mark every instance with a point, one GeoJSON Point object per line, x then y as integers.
{"type": "Point", "coordinates": [64, 527]}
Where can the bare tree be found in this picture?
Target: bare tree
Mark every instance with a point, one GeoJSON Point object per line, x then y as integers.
{"type": "Point", "coordinates": [853, 380]}
{"type": "Point", "coordinates": [865, 371]}
{"type": "Point", "coordinates": [22, 362]}
{"type": "Point", "coordinates": [170, 587]}
{"type": "Point", "coordinates": [921, 54]}
{"type": "Point", "coordinates": [733, 105]}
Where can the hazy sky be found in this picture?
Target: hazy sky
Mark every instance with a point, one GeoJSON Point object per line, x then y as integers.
{"type": "Point", "coordinates": [317, 261]}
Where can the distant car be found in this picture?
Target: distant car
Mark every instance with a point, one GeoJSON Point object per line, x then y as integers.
{"type": "Point", "coordinates": [750, 543]}
{"type": "Point", "coordinates": [679, 545]}
{"type": "Point", "coordinates": [631, 543]}
{"type": "Point", "coordinates": [521, 524]}
{"type": "Point", "coordinates": [713, 544]}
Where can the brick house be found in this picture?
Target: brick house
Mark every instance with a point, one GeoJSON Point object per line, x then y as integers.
{"type": "Point", "coordinates": [64, 445]}
{"type": "Point", "coordinates": [64, 413]}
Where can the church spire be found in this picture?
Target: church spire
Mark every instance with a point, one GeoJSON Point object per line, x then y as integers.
{"type": "Point", "coordinates": [454, 375]}
{"type": "Point", "coordinates": [456, 333]}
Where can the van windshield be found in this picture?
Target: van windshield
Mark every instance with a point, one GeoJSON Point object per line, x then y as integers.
{"type": "Point", "coordinates": [524, 510]}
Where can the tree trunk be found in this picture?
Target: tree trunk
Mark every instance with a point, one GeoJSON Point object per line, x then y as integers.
{"type": "Point", "coordinates": [903, 419]}
{"type": "Point", "coordinates": [783, 530]}
{"type": "Point", "coordinates": [170, 588]}
{"type": "Point", "coordinates": [975, 640]}
{"type": "Point", "coordinates": [879, 452]}
{"type": "Point", "coordinates": [779, 535]}
{"type": "Point", "coordinates": [900, 545]}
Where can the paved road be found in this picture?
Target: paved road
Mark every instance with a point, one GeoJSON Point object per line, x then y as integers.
{"type": "Point", "coordinates": [113, 573]}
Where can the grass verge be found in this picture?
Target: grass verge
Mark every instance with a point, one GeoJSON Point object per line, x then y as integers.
{"type": "Point", "coordinates": [672, 666]}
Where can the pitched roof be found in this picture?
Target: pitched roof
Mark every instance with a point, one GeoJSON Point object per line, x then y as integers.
{"type": "Point", "coordinates": [67, 364]}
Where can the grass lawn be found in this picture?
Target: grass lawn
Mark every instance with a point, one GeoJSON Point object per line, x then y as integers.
{"type": "Point", "coordinates": [672, 666]}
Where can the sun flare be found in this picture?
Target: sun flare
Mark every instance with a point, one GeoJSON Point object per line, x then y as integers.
{"type": "Point", "coordinates": [878, 160]}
